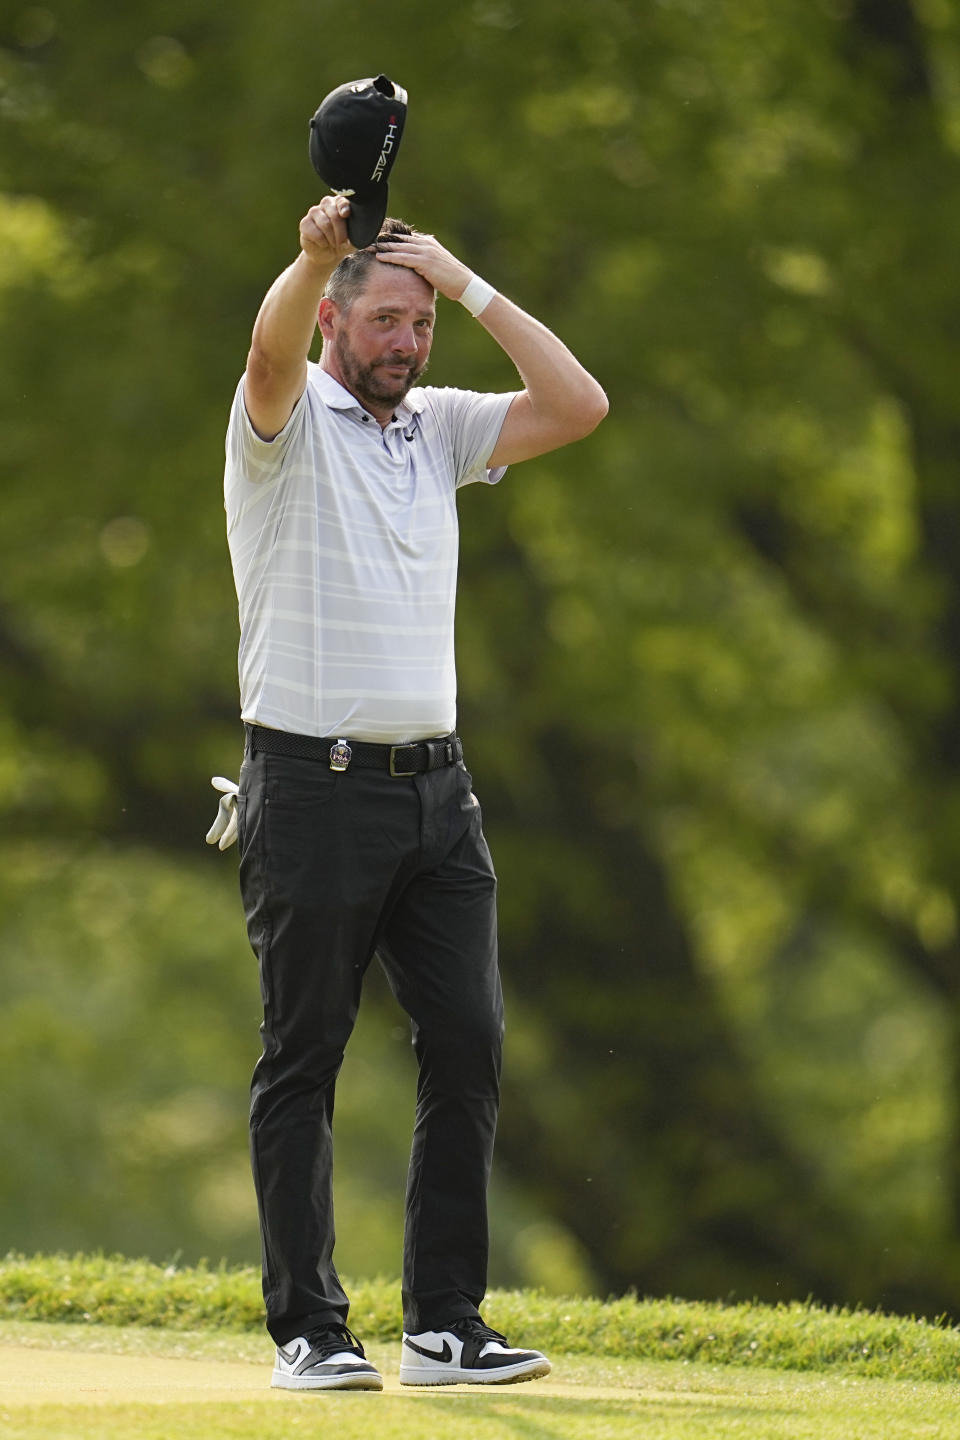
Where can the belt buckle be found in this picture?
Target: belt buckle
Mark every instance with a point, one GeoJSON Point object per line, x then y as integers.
{"type": "Point", "coordinates": [393, 761]}
{"type": "Point", "coordinates": [340, 756]}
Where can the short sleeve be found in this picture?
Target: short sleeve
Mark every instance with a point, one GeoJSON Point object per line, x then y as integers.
{"type": "Point", "coordinates": [250, 458]}
{"type": "Point", "coordinates": [471, 423]}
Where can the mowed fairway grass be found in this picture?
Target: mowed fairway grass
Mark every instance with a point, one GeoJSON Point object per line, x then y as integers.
{"type": "Point", "coordinates": [770, 1373]}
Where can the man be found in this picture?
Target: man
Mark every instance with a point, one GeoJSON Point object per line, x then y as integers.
{"type": "Point", "coordinates": [359, 833]}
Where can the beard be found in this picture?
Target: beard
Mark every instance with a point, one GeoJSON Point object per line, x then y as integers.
{"type": "Point", "coordinates": [369, 383]}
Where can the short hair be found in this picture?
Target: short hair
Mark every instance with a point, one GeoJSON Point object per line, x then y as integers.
{"type": "Point", "coordinates": [350, 277]}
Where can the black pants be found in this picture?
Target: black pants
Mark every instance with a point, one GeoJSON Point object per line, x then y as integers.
{"type": "Point", "coordinates": [335, 867]}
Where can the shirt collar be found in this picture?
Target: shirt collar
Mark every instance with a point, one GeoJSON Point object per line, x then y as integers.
{"type": "Point", "coordinates": [337, 397]}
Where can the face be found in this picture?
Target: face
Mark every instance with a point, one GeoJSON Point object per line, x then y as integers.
{"type": "Point", "coordinates": [380, 345]}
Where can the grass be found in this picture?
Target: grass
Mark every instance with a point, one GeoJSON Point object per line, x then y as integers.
{"type": "Point", "coordinates": [585, 1400]}
{"type": "Point", "coordinates": [92, 1290]}
{"type": "Point", "coordinates": [666, 1370]}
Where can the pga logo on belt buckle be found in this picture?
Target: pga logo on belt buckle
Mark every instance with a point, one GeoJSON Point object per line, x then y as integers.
{"type": "Point", "coordinates": [340, 755]}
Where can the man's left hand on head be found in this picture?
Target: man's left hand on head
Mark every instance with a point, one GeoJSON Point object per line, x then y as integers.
{"type": "Point", "coordinates": [427, 256]}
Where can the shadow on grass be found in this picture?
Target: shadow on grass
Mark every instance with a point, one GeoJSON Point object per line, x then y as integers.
{"type": "Point", "coordinates": [535, 1417]}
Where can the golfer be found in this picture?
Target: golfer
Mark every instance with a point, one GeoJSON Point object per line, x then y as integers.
{"type": "Point", "coordinates": [359, 832]}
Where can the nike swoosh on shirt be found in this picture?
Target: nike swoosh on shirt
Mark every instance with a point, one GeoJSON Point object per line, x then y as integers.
{"type": "Point", "coordinates": [442, 1355]}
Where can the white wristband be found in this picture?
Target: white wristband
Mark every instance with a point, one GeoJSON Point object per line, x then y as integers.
{"type": "Point", "coordinates": [477, 295]}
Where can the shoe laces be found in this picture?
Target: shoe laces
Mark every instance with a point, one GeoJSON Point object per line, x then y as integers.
{"type": "Point", "coordinates": [332, 1339]}
{"type": "Point", "coordinates": [473, 1326]}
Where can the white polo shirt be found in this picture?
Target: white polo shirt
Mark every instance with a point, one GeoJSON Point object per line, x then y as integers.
{"type": "Point", "coordinates": [344, 543]}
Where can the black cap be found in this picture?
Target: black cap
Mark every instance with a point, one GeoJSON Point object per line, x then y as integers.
{"type": "Point", "coordinates": [354, 139]}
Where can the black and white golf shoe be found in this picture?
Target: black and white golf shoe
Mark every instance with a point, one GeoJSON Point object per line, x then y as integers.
{"type": "Point", "coordinates": [469, 1353]}
{"type": "Point", "coordinates": [328, 1359]}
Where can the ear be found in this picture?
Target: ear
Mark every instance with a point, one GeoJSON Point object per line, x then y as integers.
{"type": "Point", "coordinates": [327, 313]}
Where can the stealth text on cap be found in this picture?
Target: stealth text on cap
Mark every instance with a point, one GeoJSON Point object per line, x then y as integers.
{"type": "Point", "coordinates": [385, 150]}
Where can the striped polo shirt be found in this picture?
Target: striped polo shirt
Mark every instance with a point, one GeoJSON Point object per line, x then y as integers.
{"type": "Point", "coordinates": [344, 543]}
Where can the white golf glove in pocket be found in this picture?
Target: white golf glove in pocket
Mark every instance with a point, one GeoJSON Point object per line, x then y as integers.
{"type": "Point", "coordinates": [223, 831]}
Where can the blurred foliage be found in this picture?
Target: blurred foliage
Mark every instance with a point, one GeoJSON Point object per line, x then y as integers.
{"type": "Point", "coordinates": [708, 658]}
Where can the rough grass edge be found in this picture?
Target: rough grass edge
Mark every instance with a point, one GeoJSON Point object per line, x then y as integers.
{"type": "Point", "coordinates": [100, 1289]}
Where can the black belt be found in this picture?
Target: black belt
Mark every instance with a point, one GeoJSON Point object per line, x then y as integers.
{"type": "Point", "coordinates": [412, 759]}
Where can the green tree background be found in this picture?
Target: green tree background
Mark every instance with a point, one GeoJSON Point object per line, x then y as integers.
{"type": "Point", "coordinates": [708, 657]}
